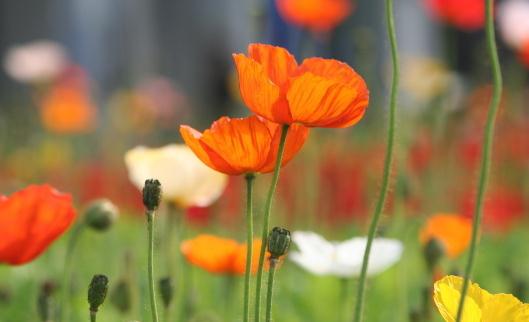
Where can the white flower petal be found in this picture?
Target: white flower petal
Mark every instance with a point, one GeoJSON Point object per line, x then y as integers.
{"type": "Point", "coordinates": [513, 21]}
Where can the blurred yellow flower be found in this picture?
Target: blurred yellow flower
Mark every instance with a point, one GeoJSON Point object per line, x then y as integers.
{"type": "Point", "coordinates": [185, 179]}
{"type": "Point", "coordinates": [480, 305]}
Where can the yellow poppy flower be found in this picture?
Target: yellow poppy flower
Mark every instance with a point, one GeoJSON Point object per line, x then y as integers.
{"type": "Point", "coordinates": [480, 305]}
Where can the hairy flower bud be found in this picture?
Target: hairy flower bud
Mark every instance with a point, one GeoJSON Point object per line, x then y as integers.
{"type": "Point", "coordinates": [152, 194]}
{"type": "Point", "coordinates": [166, 290]}
{"type": "Point", "coordinates": [120, 296]}
{"type": "Point", "coordinates": [433, 251]}
{"type": "Point", "coordinates": [278, 242]}
{"type": "Point", "coordinates": [101, 214]}
{"type": "Point", "coordinates": [97, 292]}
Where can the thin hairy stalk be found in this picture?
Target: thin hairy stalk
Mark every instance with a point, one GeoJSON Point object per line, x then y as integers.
{"type": "Point", "coordinates": [150, 264]}
{"type": "Point", "coordinates": [269, 293]}
{"type": "Point", "coordinates": [485, 154]}
{"type": "Point", "coordinates": [266, 221]}
{"type": "Point", "coordinates": [250, 177]}
{"type": "Point", "coordinates": [387, 163]}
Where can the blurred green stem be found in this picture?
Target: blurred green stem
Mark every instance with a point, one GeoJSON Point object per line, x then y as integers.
{"type": "Point", "coordinates": [387, 162]}
{"type": "Point", "coordinates": [93, 316]}
{"type": "Point", "coordinates": [73, 238]}
{"type": "Point", "coordinates": [150, 229]}
{"type": "Point", "coordinates": [344, 300]}
{"type": "Point", "coordinates": [486, 152]}
{"type": "Point", "coordinates": [266, 220]}
{"type": "Point", "coordinates": [250, 177]}
{"type": "Point", "coordinates": [269, 293]}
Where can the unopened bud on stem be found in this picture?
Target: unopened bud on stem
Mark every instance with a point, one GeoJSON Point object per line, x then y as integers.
{"type": "Point", "coordinates": [101, 214]}
{"type": "Point", "coordinates": [97, 292]}
{"type": "Point", "coordinates": [152, 194]}
{"type": "Point", "coordinates": [278, 242]}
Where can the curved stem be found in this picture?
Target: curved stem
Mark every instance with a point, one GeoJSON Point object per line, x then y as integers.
{"type": "Point", "coordinates": [270, 291]}
{"type": "Point", "coordinates": [150, 228]}
{"type": "Point", "coordinates": [266, 220]}
{"type": "Point", "coordinates": [67, 269]}
{"type": "Point", "coordinates": [387, 162]}
{"type": "Point", "coordinates": [250, 177]}
{"type": "Point", "coordinates": [486, 153]}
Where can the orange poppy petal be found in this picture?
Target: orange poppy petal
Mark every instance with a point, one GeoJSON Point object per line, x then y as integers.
{"type": "Point", "coordinates": [192, 138]}
{"type": "Point", "coordinates": [210, 253]}
{"type": "Point", "coordinates": [277, 62]}
{"type": "Point", "coordinates": [239, 263]}
{"type": "Point", "coordinates": [296, 137]}
{"type": "Point", "coordinates": [244, 143]}
{"type": "Point", "coordinates": [30, 220]}
{"type": "Point", "coordinates": [258, 92]}
{"type": "Point", "coordinates": [317, 101]}
{"type": "Point", "coordinates": [453, 231]}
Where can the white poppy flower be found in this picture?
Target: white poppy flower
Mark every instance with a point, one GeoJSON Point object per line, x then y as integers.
{"type": "Point", "coordinates": [513, 21]}
{"type": "Point", "coordinates": [185, 179]}
{"type": "Point", "coordinates": [36, 61]}
{"type": "Point", "coordinates": [344, 259]}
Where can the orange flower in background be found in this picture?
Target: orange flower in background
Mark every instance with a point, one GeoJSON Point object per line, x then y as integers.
{"type": "Point", "coordinates": [318, 93]}
{"type": "Point", "coordinates": [317, 15]}
{"type": "Point", "coordinates": [30, 220]}
{"type": "Point", "coordinates": [242, 145]}
{"type": "Point", "coordinates": [453, 231]}
{"type": "Point", "coordinates": [467, 15]}
{"type": "Point", "coordinates": [66, 107]}
{"type": "Point", "coordinates": [219, 255]}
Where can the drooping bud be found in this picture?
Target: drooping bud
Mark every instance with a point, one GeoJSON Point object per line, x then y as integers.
{"type": "Point", "coordinates": [101, 214]}
{"type": "Point", "coordinates": [278, 242]}
{"type": "Point", "coordinates": [120, 296]}
{"type": "Point", "coordinates": [166, 290]}
{"type": "Point", "coordinates": [152, 194]}
{"type": "Point", "coordinates": [45, 305]}
{"type": "Point", "coordinates": [97, 292]}
{"type": "Point", "coordinates": [433, 252]}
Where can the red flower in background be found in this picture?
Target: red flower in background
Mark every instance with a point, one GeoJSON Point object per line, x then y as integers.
{"type": "Point", "coordinates": [523, 54]}
{"type": "Point", "coordinates": [467, 15]}
{"type": "Point", "coordinates": [30, 220]}
{"type": "Point", "coordinates": [316, 15]}
{"type": "Point", "coordinates": [502, 209]}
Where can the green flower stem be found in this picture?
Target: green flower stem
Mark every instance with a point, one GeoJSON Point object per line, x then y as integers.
{"type": "Point", "coordinates": [150, 228]}
{"type": "Point", "coordinates": [387, 162]}
{"type": "Point", "coordinates": [73, 238]}
{"type": "Point", "coordinates": [269, 293]}
{"type": "Point", "coordinates": [250, 177]}
{"type": "Point", "coordinates": [93, 316]}
{"type": "Point", "coordinates": [266, 220]}
{"type": "Point", "coordinates": [486, 153]}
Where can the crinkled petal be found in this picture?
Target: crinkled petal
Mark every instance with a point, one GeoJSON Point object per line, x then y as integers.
{"type": "Point", "coordinates": [277, 62]}
{"type": "Point", "coordinates": [296, 137]}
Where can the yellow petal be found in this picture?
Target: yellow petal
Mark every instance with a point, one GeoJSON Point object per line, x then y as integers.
{"type": "Point", "coordinates": [502, 307]}
{"type": "Point", "coordinates": [447, 293]}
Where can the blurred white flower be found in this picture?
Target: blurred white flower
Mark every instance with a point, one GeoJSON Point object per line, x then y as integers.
{"type": "Point", "coordinates": [344, 259]}
{"type": "Point", "coordinates": [36, 61]}
{"type": "Point", "coordinates": [185, 179]}
{"type": "Point", "coordinates": [513, 21]}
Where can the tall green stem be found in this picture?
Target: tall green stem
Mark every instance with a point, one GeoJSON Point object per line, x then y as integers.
{"type": "Point", "coordinates": [486, 152]}
{"type": "Point", "coordinates": [250, 177]}
{"type": "Point", "coordinates": [93, 316]}
{"type": "Point", "coordinates": [266, 221]}
{"type": "Point", "coordinates": [270, 291]}
{"type": "Point", "coordinates": [67, 270]}
{"type": "Point", "coordinates": [387, 162]}
{"type": "Point", "coordinates": [150, 228]}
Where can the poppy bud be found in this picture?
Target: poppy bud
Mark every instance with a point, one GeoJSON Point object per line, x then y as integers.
{"type": "Point", "coordinates": [152, 194]}
{"type": "Point", "coordinates": [278, 242]}
{"type": "Point", "coordinates": [45, 305]}
{"type": "Point", "coordinates": [101, 214]}
{"type": "Point", "coordinates": [97, 292]}
{"type": "Point", "coordinates": [433, 251]}
{"type": "Point", "coordinates": [121, 296]}
{"type": "Point", "coordinates": [166, 290]}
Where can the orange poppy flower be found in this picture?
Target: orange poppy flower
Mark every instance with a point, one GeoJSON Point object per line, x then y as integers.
{"type": "Point", "coordinates": [317, 15]}
{"type": "Point", "coordinates": [242, 145]}
{"type": "Point", "coordinates": [30, 220]}
{"type": "Point", "coordinates": [219, 255]}
{"type": "Point", "coordinates": [318, 93]}
{"type": "Point", "coordinates": [453, 231]}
